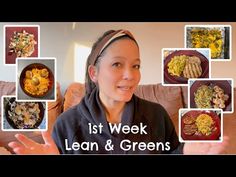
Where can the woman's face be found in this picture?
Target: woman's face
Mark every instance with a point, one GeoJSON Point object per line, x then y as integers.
{"type": "Point", "coordinates": [118, 74]}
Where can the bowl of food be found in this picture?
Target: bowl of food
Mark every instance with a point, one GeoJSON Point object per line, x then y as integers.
{"type": "Point", "coordinates": [211, 94]}
{"type": "Point", "coordinates": [36, 80]}
{"type": "Point", "coordinates": [200, 125]}
{"type": "Point", "coordinates": [24, 115]}
{"type": "Point", "coordinates": [181, 65]}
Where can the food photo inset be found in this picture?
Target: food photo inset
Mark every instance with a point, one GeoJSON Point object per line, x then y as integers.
{"type": "Point", "coordinates": [23, 116]}
{"type": "Point", "coordinates": [179, 65]}
{"type": "Point", "coordinates": [36, 79]}
{"type": "Point", "coordinates": [215, 37]}
{"type": "Point", "coordinates": [213, 93]}
{"type": "Point", "coordinates": [20, 41]}
{"type": "Point", "coordinates": [200, 125]}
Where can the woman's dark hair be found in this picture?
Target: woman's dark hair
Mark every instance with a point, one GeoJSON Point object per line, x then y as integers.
{"type": "Point", "coordinates": [89, 84]}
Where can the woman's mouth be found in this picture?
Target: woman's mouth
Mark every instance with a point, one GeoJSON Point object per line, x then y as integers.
{"type": "Point", "coordinates": [124, 88]}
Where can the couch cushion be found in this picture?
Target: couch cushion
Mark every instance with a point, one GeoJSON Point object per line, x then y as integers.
{"type": "Point", "coordinates": [169, 97]}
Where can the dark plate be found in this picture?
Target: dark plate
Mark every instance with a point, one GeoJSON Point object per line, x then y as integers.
{"type": "Point", "coordinates": [38, 66]}
{"type": "Point", "coordinates": [214, 136]}
{"type": "Point", "coordinates": [13, 125]}
{"type": "Point", "coordinates": [224, 84]}
{"type": "Point", "coordinates": [11, 57]}
{"type": "Point", "coordinates": [169, 79]}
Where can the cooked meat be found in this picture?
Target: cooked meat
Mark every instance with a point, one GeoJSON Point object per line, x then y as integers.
{"type": "Point", "coordinates": [194, 59]}
{"type": "Point", "coordinates": [196, 69]}
{"type": "Point", "coordinates": [190, 129]}
{"type": "Point", "coordinates": [192, 70]}
{"type": "Point", "coordinates": [188, 120]}
{"type": "Point", "coordinates": [219, 97]}
{"type": "Point", "coordinates": [186, 72]}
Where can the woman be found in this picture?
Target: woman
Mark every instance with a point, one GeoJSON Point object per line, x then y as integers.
{"type": "Point", "coordinates": [110, 118]}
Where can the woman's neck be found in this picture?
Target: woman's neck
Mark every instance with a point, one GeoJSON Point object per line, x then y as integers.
{"type": "Point", "coordinates": [113, 109]}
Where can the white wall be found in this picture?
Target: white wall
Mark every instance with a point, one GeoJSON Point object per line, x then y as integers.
{"type": "Point", "coordinates": [58, 40]}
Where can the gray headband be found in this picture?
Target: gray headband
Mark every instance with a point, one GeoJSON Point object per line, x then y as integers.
{"type": "Point", "coordinates": [106, 41]}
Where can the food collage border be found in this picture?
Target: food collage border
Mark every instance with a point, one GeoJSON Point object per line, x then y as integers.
{"type": "Point", "coordinates": [43, 126]}
{"type": "Point", "coordinates": [209, 78]}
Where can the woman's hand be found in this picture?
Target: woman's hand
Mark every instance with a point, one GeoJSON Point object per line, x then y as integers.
{"type": "Point", "coordinates": [206, 148]}
{"type": "Point", "coordinates": [28, 146]}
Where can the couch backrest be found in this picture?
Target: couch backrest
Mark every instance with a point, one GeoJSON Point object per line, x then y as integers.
{"type": "Point", "coordinates": [169, 97]}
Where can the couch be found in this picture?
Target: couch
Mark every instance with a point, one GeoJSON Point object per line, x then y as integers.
{"type": "Point", "coordinates": [172, 98]}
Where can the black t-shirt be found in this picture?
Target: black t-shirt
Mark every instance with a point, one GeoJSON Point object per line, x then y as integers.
{"type": "Point", "coordinates": [147, 129]}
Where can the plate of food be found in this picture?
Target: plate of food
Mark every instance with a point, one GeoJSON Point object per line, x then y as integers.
{"type": "Point", "coordinates": [21, 42]}
{"type": "Point", "coordinates": [181, 65]}
{"type": "Point", "coordinates": [24, 115]}
{"type": "Point", "coordinates": [211, 94]}
{"type": "Point", "coordinates": [36, 80]}
{"type": "Point", "coordinates": [200, 125]}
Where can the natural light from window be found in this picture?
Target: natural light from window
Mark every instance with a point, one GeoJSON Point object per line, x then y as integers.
{"type": "Point", "coordinates": [81, 55]}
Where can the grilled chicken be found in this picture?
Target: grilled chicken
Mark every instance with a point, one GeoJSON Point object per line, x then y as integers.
{"type": "Point", "coordinates": [192, 70]}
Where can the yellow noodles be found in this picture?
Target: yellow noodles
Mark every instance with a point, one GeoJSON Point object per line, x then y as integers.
{"type": "Point", "coordinates": [204, 124]}
{"type": "Point", "coordinates": [176, 65]}
{"type": "Point", "coordinates": [203, 97]}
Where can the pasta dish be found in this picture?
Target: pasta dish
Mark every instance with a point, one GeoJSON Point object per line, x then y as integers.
{"type": "Point", "coordinates": [24, 115]}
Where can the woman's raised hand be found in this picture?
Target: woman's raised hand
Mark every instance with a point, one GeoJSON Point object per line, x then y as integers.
{"type": "Point", "coordinates": [28, 146]}
{"type": "Point", "coordinates": [206, 148]}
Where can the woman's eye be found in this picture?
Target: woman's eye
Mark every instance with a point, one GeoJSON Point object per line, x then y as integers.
{"type": "Point", "coordinates": [116, 64]}
{"type": "Point", "coordinates": [136, 66]}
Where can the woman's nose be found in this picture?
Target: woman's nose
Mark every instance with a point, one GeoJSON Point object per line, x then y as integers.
{"type": "Point", "coordinates": [128, 74]}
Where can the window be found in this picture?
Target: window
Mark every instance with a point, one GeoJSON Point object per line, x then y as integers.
{"type": "Point", "coordinates": [81, 54]}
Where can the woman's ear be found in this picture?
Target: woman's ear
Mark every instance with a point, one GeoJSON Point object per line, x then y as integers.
{"type": "Point", "coordinates": [92, 71]}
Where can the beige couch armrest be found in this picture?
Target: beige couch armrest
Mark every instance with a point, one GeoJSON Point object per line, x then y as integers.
{"type": "Point", "coordinates": [73, 95]}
